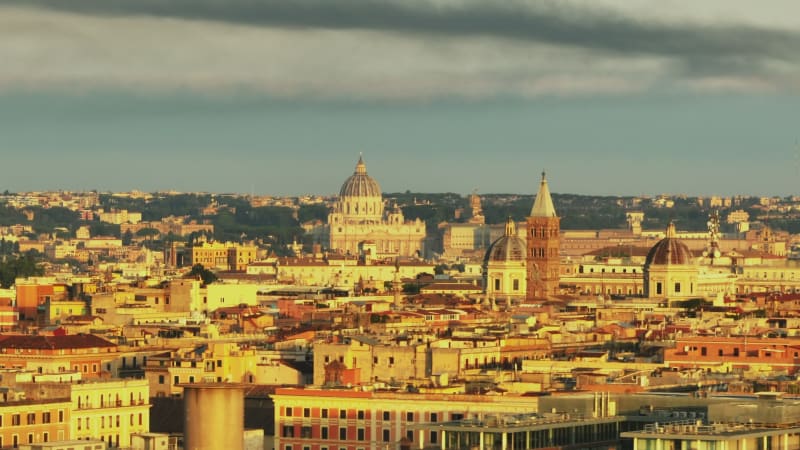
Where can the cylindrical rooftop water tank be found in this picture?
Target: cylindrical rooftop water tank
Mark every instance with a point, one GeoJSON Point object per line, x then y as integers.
{"type": "Point", "coordinates": [214, 417]}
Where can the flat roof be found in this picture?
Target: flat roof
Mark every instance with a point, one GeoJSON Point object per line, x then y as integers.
{"type": "Point", "coordinates": [713, 432]}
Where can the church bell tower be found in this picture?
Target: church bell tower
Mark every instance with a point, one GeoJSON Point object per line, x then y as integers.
{"type": "Point", "coordinates": [542, 258]}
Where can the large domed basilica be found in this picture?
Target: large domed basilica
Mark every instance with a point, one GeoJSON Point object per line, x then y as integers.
{"type": "Point", "coordinates": [358, 223]}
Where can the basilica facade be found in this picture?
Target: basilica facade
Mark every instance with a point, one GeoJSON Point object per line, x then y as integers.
{"type": "Point", "coordinates": [359, 224]}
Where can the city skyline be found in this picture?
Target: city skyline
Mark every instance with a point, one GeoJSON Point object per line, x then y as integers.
{"type": "Point", "coordinates": [610, 98]}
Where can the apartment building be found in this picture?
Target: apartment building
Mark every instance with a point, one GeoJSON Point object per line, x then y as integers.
{"type": "Point", "coordinates": [84, 353]}
{"type": "Point", "coordinates": [24, 421]}
{"type": "Point", "coordinates": [110, 410]}
{"type": "Point", "coordinates": [345, 419]}
{"type": "Point", "coordinates": [736, 353]}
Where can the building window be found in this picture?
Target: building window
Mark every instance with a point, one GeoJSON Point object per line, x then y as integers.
{"type": "Point", "coordinates": [410, 435]}
{"type": "Point", "coordinates": [434, 437]}
{"type": "Point", "coordinates": [360, 414]}
{"type": "Point", "coordinates": [677, 288]}
{"type": "Point", "coordinates": [703, 351]}
{"type": "Point", "coordinates": [305, 432]}
{"type": "Point", "coordinates": [324, 432]}
{"type": "Point", "coordinates": [516, 285]}
{"type": "Point", "coordinates": [288, 431]}
{"type": "Point", "coordinates": [46, 437]}
{"type": "Point", "coordinates": [46, 417]}
{"type": "Point", "coordinates": [409, 417]}
{"type": "Point", "coordinates": [324, 413]}
{"type": "Point", "coordinates": [360, 434]}
{"type": "Point", "coordinates": [177, 379]}
{"type": "Point", "coordinates": [386, 415]}
{"type": "Point", "coordinates": [496, 284]}
{"type": "Point", "coordinates": [342, 433]}
{"type": "Point", "coordinates": [288, 411]}
{"type": "Point", "coordinates": [60, 417]}
{"type": "Point", "coordinates": [386, 436]}
{"type": "Point", "coordinates": [658, 288]}
{"type": "Point", "coordinates": [306, 412]}
{"type": "Point", "coordinates": [343, 414]}
{"type": "Point", "coordinates": [434, 417]}
{"type": "Point", "coordinates": [15, 420]}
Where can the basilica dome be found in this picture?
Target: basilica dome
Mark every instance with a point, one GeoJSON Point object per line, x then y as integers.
{"type": "Point", "coordinates": [360, 184]}
{"type": "Point", "coordinates": [507, 248]}
{"type": "Point", "coordinates": [669, 251]}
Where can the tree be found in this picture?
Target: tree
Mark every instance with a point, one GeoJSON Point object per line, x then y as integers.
{"type": "Point", "coordinates": [205, 275]}
{"type": "Point", "coordinates": [25, 265]}
{"type": "Point", "coordinates": [104, 229]}
{"type": "Point", "coordinates": [127, 237]}
{"type": "Point", "coordinates": [148, 233]}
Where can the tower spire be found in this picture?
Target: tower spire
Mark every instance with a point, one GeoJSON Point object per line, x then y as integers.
{"type": "Point", "coordinates": [543, 205]}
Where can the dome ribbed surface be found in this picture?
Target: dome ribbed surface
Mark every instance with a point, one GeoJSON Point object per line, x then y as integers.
{"type": "Point", "coordinates": [506, 248]}
{"type": "Point", "coordinates": [669, 251]}
{"type": "Point", "coordinates": [360, 184]}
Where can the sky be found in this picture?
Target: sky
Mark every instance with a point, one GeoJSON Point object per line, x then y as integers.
{"type": "Point", "coordinates": [610, 97]}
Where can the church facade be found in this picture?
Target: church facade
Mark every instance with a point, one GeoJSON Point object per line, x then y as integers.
{"type": "Point", "coordinates": [360, 225]}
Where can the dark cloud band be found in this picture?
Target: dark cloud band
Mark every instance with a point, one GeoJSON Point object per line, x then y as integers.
{"type": "Point", "coordinates": [702, 50]}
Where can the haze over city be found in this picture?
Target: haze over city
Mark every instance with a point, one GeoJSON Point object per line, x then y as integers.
{"type": "Point", "coordinates": [610, 97]}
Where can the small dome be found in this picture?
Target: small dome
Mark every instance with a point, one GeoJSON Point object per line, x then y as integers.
{"type": "Point", "coordinates": [360, 184]}
{"type": "Point", "coordinates": [507, 248]}
{"type": "Point", "coordinates": [669, 250]}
